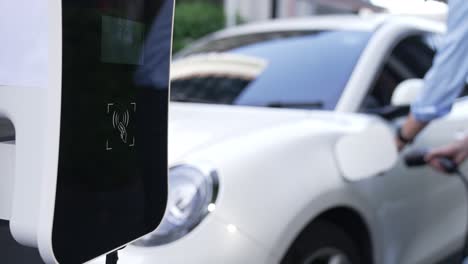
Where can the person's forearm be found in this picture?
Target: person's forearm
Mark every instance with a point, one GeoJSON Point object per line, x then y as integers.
{"type": "Point", "coordinates": [412, 127]}
{"type": "Point", "coordinates": [446, 79]}
{"type": "Point", "coordinates": [409, 131]}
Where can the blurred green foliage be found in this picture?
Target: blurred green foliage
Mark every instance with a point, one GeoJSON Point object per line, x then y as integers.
{"type": "Point", "coordinates": [195, 19]}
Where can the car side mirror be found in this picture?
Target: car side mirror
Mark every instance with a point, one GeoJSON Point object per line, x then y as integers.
{"type": "Point", "coordinates": [366, 153]}
{"type": "Point", "coordinates": [407, 92]}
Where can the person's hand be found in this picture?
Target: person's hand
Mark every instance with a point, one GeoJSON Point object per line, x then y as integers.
{"type": "Point", "coordinates": [458, 152]}
{"type": "Point", "coordinates": [408, 131]}
{"type": "Point", "coordinates": [400, 144]}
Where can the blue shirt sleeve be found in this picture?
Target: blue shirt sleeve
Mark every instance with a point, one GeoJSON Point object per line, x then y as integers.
{"type": "Point", "coordinates": [448, 75]}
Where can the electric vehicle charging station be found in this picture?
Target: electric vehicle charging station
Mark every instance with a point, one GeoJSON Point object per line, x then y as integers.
{"type": "Point", "coordinates": [85, 86]}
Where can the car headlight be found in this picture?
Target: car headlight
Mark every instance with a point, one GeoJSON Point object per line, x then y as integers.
{"type": "Point", "coordinates": [192, 195]}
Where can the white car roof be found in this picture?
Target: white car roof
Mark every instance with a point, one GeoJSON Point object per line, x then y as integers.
{"type": "Point", "coordinates": [345, 22]}
{"type": "Point", "coordinates": [365, 23]}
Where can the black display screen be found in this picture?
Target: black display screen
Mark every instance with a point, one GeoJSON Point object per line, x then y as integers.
{"type": "Point", "coordinates": [112, 174]}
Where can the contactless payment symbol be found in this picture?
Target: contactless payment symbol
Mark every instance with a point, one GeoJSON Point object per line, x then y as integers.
{"type": "Point", "coordinates": [121, 120]}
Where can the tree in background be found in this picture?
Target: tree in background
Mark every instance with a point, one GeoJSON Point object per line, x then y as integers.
{"type": "Point", "coordinates": [195, 19]}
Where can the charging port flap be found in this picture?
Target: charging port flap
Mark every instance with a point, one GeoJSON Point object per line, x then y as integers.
{"type": "Point", "coordinates": [366, 153]}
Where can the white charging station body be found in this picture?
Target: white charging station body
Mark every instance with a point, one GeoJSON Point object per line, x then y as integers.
{"type": "Point", "coordinates": [29, 165]}
{"type": "Point", "coordinates": [35, 113]}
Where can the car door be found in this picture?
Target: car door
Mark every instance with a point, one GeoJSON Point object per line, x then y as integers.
{"type": "Point", "coordinates": [421, 213]}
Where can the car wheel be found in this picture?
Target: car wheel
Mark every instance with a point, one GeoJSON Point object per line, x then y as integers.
{"type": "Point", "coordinates": [323, 243]}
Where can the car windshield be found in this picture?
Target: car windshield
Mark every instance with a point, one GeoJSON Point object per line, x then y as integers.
{"type": "Point", "coordinates": [296, 71]}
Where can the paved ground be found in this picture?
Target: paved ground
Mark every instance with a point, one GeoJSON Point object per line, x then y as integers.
{"type": "Point", "coordinates": [12, 252]}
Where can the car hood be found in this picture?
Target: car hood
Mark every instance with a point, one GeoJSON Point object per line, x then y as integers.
{"type": "Point", "coordinates": [195, 126]}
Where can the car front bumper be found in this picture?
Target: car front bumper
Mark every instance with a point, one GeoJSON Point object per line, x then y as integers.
{"type": "Point", "coordinates": [213, 242]}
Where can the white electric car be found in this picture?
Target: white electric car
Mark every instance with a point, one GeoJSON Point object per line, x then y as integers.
{"type": "Point", "coordinates": [258, 174]}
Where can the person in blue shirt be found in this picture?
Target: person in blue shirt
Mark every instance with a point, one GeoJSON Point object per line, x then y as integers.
{"type": "Point", "coordinates": [443, 84]}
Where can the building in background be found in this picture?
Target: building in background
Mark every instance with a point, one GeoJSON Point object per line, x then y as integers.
{"type": "Point", "coordinates": [291, 8]}
{"type": "Point", "coordinates": [257, 10]}
{"type": "Point", "coordinates": [265, 9]}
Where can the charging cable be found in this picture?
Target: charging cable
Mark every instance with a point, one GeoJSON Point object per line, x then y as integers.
{"type": "Point", "coordinates": [112, 257]}
{"type": "Point", "coordinates": [417, 158]}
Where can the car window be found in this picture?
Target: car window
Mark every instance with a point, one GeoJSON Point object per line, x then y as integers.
{"type": "Point", "coordinates": [229, 43]}
{"type": "Point", "coordinates": [211, 89]}
{"type": "Point", "coordinates": [307, 72]}
{"type": "Point", "coordinates": [411, 58]}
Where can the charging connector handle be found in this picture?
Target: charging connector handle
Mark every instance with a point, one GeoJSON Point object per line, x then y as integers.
{"type": "Point", "coordinates": [417, 158]}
